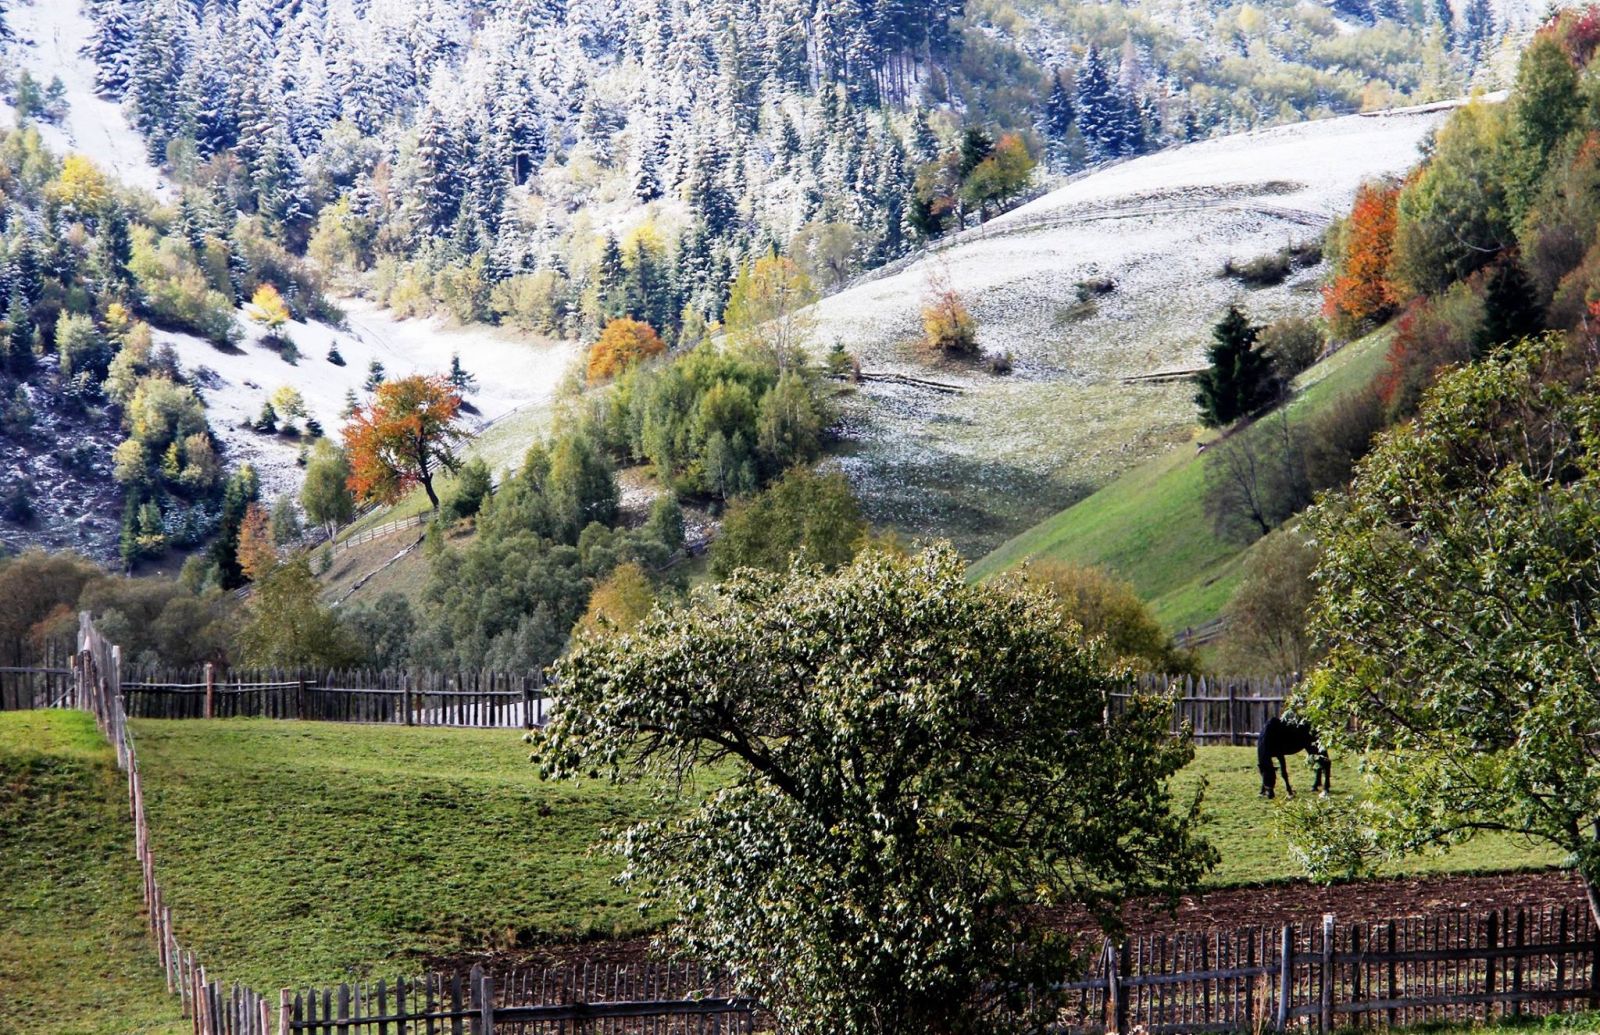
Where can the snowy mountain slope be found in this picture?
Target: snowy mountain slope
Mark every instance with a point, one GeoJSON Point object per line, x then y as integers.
{"type": "Point", "coordinates": [50, 34]}
{"type": "Point", "coordinates": [977, 466]}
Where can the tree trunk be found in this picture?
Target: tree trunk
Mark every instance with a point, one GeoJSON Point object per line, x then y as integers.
{"type": "Point", "coordinates": [427, 487]}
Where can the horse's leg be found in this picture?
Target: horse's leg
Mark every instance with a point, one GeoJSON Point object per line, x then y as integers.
{"type": "Point", "coordinates": [1283, 763]}
{"type": "Point", "coordinates": [1268, 778]}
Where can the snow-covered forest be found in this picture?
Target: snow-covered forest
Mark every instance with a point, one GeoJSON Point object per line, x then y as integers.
{"type": "Point", "coordinates": [477, 154]}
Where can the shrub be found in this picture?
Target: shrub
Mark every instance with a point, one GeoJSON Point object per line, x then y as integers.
{"type": "Point", "coordinates": [1432, 334]}
{"type": "Point", "coordinates": [1268, 614]}
{"type": "Point", "coordinates": [804, 516]}
{"type": "Point", "coordinates": [1293, 342]}
{"type": "Point", "coordinates": [1102, 605]}
{"type": "Point", "coordinates": [947, 327]}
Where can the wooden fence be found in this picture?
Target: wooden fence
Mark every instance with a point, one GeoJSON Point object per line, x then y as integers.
{"type": "Point", "coordinates": [1219, 709]}
{"type": "Point", "coordinates": [213, 1008]}
{"type": "Point", "coordinates": [479, 699]}
{"type": "Point", "coordinates": [554, 1001]}
{"type": "Point", "coordinates": [630, 999]}
{"type": "Point", "coordinates": [24, 688]}
{"type": "Point", "coordinates": [1459, 967]}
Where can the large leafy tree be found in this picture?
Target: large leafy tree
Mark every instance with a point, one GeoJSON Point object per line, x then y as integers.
{"type": "Point", "coordinates": [906, 764]}
{"type": "Point", "coordinates": [404, 437]}
{"type": "Point", "coordinates": [1457, 600]}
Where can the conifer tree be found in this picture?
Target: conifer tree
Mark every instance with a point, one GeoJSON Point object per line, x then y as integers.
{"type": "Point", "coordinates": [1240, 379]}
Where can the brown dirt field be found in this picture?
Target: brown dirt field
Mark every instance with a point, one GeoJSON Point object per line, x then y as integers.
{"type": "Point", "coordinates": [1295, 902]}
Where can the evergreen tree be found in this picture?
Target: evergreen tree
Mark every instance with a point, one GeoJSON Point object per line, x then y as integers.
{"type": "Point", "coordinates": [1099, 113]}
{"type": "Point", "coordinates": [610, 286]}
{"type": "Point", "coordinates": [1240, 379]}
{"type": "Point", "coordinates": [1510, 309]}
{"type": "Point", "coordinates": [108, 47]}
{"type": "Point", "coordinates": [1058, 109]}
{"type": "Point", "coordinates": [438, 172]}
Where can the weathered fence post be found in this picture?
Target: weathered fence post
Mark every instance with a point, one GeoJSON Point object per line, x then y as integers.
{"type": "Point", "coordinates": [1114, 997]}
{"type": "Point", "coordinates": [527, 704]}
{"type": "Point", "coordinates": [483, 991]}
{"type": "Point", "coordinates": [211, 690]}
{"type": "Point", "coordinates": [1233, 712]}
{"type": "Point", "coordinates": [284, 1005]}
{"type": "Point", "coordinates": [1491, 942]}
{"type": "Point", "coordinates": [1285, 976]}
{"type": "Point", "coordinates": [300, 699]}
{"type": "Point", "coordinates": [1516, 973]}
{"type": "Point", "coordinates": [1327, 972]}
{"type": "Point", "coordinates": [405, 689]}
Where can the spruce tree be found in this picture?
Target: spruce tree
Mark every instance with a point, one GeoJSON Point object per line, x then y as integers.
{"type": "Point", "coordinates": [1510, 312]}
{"type": "Point", "coordinates": [1240, 379]}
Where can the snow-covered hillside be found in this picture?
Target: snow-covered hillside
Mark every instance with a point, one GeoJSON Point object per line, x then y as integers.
{"type": "Point", "coordinates": [1011, 448]}
{"type": "Point", "coordinates": [235, 383]}
{"type": "Point", "coordinates": [50, 34]}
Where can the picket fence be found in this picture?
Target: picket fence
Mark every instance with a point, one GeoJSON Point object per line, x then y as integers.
{"type": "Point", "coordinates": [1214, 709]}
{"type": "Point", "coordinates": [476, 699]}
{"type": "Point", "coordinates": [1218, 709]}
{"type": "Point", "coordinates": [437, 1003]}
{"type": "Point", "coordinates": [1459, 966]}
{"type": "Point", "coordinates": [625, 999]}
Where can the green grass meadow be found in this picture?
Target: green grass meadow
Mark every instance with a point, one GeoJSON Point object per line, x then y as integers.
{"type": "Point", "coordinates": [74, 955]}
{"type": "Point", "coordinates": [307, 853]}
{"type": "Point", "coordinates": [1150, 527]}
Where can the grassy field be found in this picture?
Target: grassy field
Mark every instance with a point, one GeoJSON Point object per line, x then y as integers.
{"type": "Point", "coordinates": [301, 852]}
{"type": "Point", "coordinates": [74, 958]}
{"type": "Point", "coordinates": [1243, 829]}
{"type": "Point", "coordinates": [1150, 526]}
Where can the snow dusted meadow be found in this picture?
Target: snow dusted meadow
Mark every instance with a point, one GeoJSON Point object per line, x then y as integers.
{"type": "Point", "coordinates": [1012, 449]}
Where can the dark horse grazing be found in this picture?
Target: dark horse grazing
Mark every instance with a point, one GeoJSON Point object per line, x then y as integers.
{"type": "Point", "coordinates": [1285, 735]}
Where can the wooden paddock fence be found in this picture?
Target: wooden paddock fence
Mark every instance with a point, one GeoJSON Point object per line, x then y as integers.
{"type": "Point", "coordinates": [1219, 709]}
{"type": "Point", "coordinates": [1459, 966]}
{"type": "Point", "coordinates": [1215, 709]}
{"type": "Point", "coordinates": [618, 999]}
{"type": "Point", "coordinates": [477, 699]}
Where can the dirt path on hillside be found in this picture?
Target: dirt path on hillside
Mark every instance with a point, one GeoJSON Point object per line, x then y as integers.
{"type": "Point", "coordinates": [1298, 903]}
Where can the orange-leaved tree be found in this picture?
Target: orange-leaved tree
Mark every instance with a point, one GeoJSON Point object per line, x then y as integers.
{"type": "Point", "coordinates": [405, 436]}
{"type": "Point", "coordinates": [257, 556]}
{"type": "Point", "coordinates": [1361, 292]}
{"type": "Point", "coordinates": [623, 343]}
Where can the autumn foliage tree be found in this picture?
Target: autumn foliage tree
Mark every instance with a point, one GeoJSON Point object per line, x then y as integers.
{"type": "Point", "coordinates": [268, 308]}
{"type": "Point", "coordinates": [947, 325]}
{"type": "Point", "coordinates": [624, 342]}
{"type": "Point", "coordinates": [257, 554]}
{"type": "Point", "coordinates": [405, 436]}
{"type": "Point", "coordinates": [1360, 293]}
